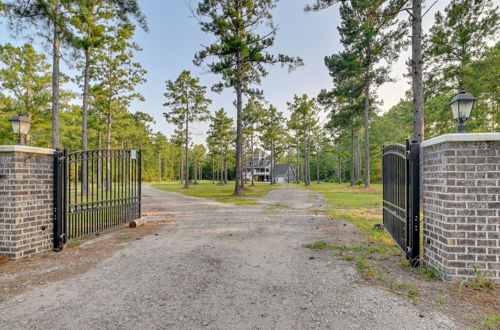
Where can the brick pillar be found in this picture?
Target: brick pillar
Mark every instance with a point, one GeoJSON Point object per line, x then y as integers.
{"type": "Point", "coordinates": [26, 200]}
{"type": "Point", "coordinates": [461, 204]}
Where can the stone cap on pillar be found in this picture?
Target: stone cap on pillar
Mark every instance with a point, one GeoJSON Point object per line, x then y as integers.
{"type": "Point", "coordinates": [27, 149]}
{"type": "Point", "coordinates": [461, 137]}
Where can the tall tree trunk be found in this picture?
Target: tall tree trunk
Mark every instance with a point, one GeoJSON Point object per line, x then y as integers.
{"type": "Point", "coordinates": [242, 172]}
{"type": "Point", "coordinates": [222, 169]}
{"type": "Point", "coordinates": [271, 171]}
{"type": "Point", "coordinates": [367, 127]}
{"type": "Point", "coordinates": [225, 167]}
{"type": "Point", "coordinates": [85, 103]}
{"type": "Point", "coordinates": [339, 173]}
{"type": "Point", "coordinates": [216, 171]}
{"type": "Point", "coordinates": [317, 167]}
{"type": "Point", "coordinates": [181, 169]}
{"type": "Point", "coordinates": [213, 169]}
{"type": "Point", "coordinates": [289, 167]}
{"type": "Point", "coordinates": [56, 141]}
{"type": "Point", "coordinates": [252, 161]}
{"type": "Point", "coordinates": [353, 158]}
{"type": "Point", "coordinates": [358, 154]}
{"type": "Point", "coordinates": [159, 167]}
{"type": "Point", "coordinates": [343, 172]}
{"type": "Point", "coordinates": [186, 179]}
{"type": "Point", "coordinates": [239, 129]}
{"type": "Point", "coordinates": [195, 171]}
{"type": "Point", "coordinates": [297, 174]}
{"type": "Point", "coordinates": [416, 60]}
{"type": "Point", "coordinates": [305, 162]}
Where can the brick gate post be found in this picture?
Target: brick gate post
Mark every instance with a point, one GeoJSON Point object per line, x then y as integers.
{"type": "Point", "coordinates": [461, 204]}
{"type": "Point", "coordinates": [26, 200]}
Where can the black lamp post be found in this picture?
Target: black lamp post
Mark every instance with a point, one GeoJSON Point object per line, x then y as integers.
{"type": "Point", "coordinates": [21, 127]}
{"type": "Point", "coordinates": [461, 105]}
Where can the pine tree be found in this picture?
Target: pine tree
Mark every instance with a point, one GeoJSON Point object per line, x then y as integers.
{"type": "Point", "coordinates": [304, 120]}
{"type": "Point", "coordinates": [241, 50]}
{"type": "Point", "coordinates": [26, 14]}
{"type": "Point", "coordinates": [117, 77]}
{"type": "Point", "coordinates": [188, 104]}
{"type": "Point", "coordinates": [457, 38]}
{"type": "Point", "coordinates": [25, 77]}
{"type": "Point", "coordinates": [375, 36]}
{"type": "Point", "coordinates": [91, 19]}
{"type": "Point", "coordinates": [273, 134]}
{"type": "Point", "coordinates": [252, 121]}
{"type": "Point", "coordinates": [345, 101]}
{"type": "Point", "coordinates": [221, 135]}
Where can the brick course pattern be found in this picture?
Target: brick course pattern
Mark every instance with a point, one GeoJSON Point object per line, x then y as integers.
{"type": "Point", "coordinates": [26, 203]}
{"type": "Point", "coordinates": [461, 202]}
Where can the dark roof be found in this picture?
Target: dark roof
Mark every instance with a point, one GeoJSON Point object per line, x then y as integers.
{"type": "Point", "coordinates": [280, 169]}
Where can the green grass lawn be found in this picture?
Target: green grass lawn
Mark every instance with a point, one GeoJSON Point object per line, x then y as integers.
{"type": "Point", "coordinates": [343, 196]}
{"type": "Point", "coordinates": [351, 202]}
{"type": "Point", "coordinates": [220, 193]}
{"type": "Point", "coordinates": [359, 205]}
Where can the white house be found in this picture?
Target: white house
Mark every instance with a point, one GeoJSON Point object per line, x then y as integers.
{"type": "Point", "coordinates": [262, 169]}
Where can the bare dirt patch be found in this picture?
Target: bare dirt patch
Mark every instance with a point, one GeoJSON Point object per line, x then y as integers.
{"type": "Point", "coordinates": [393, 274]}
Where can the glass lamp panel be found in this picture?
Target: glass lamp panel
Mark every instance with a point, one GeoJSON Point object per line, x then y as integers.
{"type": "Point", "coordinates": [454, 109]}
{"type": "Point", "coordinates": [466, 108]}
{"type": "Point", "coordinates": [25, 127]}
{"type": "Point", "coordinates": [15, 126]}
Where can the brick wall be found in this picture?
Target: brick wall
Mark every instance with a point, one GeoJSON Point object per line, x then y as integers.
{"type": "Point", "coordinates": [461, 204]}
{"type": "Point", "coordinates": [26, 200]}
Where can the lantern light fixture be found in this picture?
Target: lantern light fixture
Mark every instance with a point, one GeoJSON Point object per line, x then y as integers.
{"type": "Point", "coordinates": [21, 125]}
{"type": "Point", "coordinates": [461, 106]}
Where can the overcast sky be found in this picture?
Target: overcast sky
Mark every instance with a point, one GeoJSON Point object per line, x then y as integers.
{"type": "Point", "coordinates": [175, 36]}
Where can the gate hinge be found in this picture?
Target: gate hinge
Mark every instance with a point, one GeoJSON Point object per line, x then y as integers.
{"type": "Point", "coordinates": [408, 252]}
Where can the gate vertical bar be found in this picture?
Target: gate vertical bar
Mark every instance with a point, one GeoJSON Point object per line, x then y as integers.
{"type": "Point", "coordinates": [59, 165]}
{"type": "Point", "coordinates": [414, 207]}
{"type": "Point", "coordinates": [407, 188]}
{"type": "Point", "coordinates": [139, 181]}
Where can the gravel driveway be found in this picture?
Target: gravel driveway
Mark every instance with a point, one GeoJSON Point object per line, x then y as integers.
{"type": "Point", "coordinates": [221, 266]}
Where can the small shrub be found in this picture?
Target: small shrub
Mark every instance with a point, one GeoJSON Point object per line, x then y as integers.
{"type": "Point", "coordinates": [404, 262]}
{"type": "Point", "coordinates": [413, 293]}
{"type": "Point", "coordinates": [316, 245]}
{"type": "Point", "coordinates": [399, 286]}
{"type": "Point", "coordinates": [490, 321]}
{"type": "Point", "coordinates": [479, 283]}
{"type": "Point", "coordinates": [441, 299]}
{"type": "Point", "coordinates": [362, 264]}
{"type": "Point", "coordinates": [73, 244]}
{"type": "Point", "coordinates": [432, 273]}
{"type": "Point", "coordinates": [348, 257]}
{"type": "Point", "coordinates": [359, 182]}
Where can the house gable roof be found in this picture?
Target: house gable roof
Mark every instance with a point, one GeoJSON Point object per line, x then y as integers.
{"type": "Point", "coordinates": [281, 169]}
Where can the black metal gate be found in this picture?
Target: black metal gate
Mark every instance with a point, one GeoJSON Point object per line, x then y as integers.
{"type": "Point", "coordinates": [95, 190]}
{"type": "Point", "coordinates": [401, 195]}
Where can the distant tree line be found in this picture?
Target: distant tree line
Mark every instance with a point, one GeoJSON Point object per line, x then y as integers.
{"type": "Point", "coordinates": [461, 48]}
